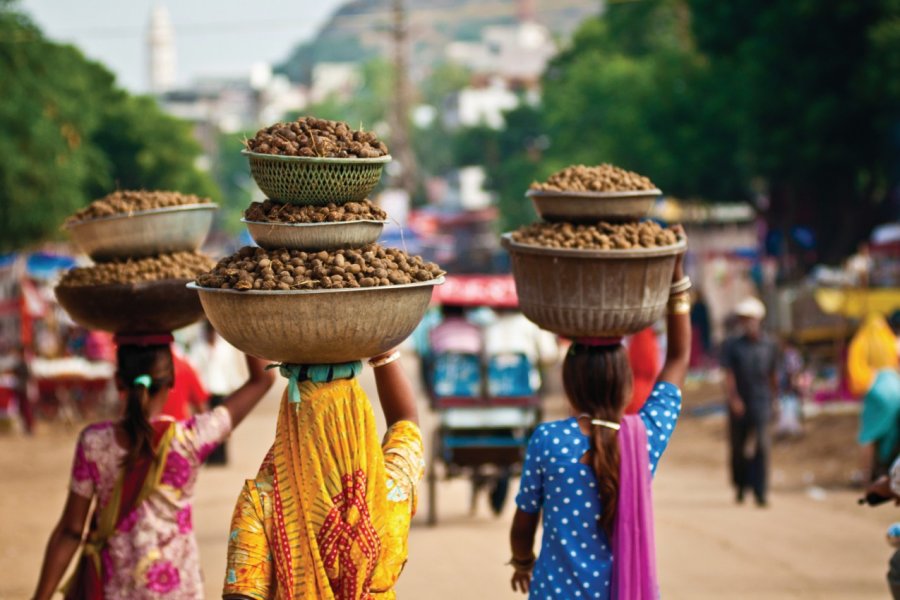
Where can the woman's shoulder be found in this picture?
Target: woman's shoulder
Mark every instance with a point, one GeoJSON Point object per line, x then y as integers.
{"type": "Point", "coordinates": [100, 429]}
{"type": "Point", "coordinates": [665, 389]}
{"type": "Point", "coordinates": [559, 427]}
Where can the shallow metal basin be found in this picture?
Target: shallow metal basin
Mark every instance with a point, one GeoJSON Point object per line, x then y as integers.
{"type": "Point", "coordinates": [145, 307]}
{"type": "Point", "coordinates": [314, 236]}
{"type": "Point", "coordinates": [144, 233]}
{"type": "Point", "coordinates": [593, 206]}
{"type": "Point", "coordinates": [317, 326]}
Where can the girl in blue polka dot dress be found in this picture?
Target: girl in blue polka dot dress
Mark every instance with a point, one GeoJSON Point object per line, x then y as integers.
{"type": "Point", "coordinates": [587, 478]}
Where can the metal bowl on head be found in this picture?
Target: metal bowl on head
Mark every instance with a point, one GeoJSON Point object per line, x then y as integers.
{"type": "Point", "coordinates": [317, 326]}
{"type": "Point", "coordinates": [593, 206]}
{"type": "Point", "coordinates": [144, 233]}
{"type": "Point", "coordinates": [592, 293]}
{"type": "Point", "coordinates": [315, 180]}
{"type": "Point", "coordinates": [143, 307]}
{"type": "Point", "coordinates": [314, 236]}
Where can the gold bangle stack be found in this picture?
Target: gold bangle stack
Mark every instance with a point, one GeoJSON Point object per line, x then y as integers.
{"type": "Point", "coordinates": [680, 304]}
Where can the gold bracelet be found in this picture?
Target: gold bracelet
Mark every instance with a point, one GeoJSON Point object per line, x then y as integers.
{"type": "Point", "coordinates": [384, 360]}
{"type": "Point", "coordinates": [680, 304]}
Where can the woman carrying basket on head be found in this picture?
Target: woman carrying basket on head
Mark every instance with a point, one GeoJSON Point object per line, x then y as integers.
{"type": "Point", "coordinates": [588, 476]}
{"type": "Point", "coordinates": [328, 514]}
{"type": "Point", "coordinates": [141, 470]}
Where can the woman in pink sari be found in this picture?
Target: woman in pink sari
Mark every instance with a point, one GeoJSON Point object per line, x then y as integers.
{"type": "Point", "coordinates": [134, 479]}
{"type": "Point", "coordinates": [587, 478]}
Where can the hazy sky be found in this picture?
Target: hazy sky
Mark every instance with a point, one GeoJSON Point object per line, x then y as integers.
{"type": "Point", "coordinates": [220, 37]}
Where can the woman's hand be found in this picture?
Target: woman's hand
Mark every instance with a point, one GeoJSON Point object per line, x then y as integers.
{"type": "Point", "coordinates": [881, 487]}
{"type": "Point", "coordinates": [521, 581]}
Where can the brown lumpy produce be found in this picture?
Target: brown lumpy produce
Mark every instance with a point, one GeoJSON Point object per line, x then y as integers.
{"type": "Point", "coordinates": [309, 136]}
{"type": "Point", "coordinates": [131, 201]}
{"type": "Point", "coordinates": [602, 236]}
{"type": "Point", "coordinates": [266, 270]}
{"type": "Point", "coordinates": [277, 212]}
{"type": "Point", "coordinates": [178, 265]}
{"type": "Point", "coordinates": [602, 178]}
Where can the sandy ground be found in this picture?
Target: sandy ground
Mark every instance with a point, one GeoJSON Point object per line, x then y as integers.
{"type": "Point", "coordinates": [804, 546]}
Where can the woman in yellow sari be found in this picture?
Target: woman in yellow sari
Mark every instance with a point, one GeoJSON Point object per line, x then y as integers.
{"type": "Point", "coordinates": [328, 514]}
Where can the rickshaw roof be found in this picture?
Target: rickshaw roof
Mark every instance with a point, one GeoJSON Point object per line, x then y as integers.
{"type": "Point", "coordinates": [494, 291]}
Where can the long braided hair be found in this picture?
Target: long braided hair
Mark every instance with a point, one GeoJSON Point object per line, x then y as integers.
{"type": "Point", "coordinates": [142, 371]}
{"type": "Point", "coordinates": [598, 383]}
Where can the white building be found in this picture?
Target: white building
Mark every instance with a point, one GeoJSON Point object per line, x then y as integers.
{"type": "Point", "coordinates": [339, 79]}
{"type": "Point", "coordinates": [473, 106]}
{"type": "Point", "coordinates": [516, 52]}
{"type": "Point", "coordinates": [237, 104]}
{"type": "Point", "coordinates": [161, 51]}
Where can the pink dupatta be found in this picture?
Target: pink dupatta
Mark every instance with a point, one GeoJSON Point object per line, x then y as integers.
{"type": "Point", "coordinates": [633, 545]}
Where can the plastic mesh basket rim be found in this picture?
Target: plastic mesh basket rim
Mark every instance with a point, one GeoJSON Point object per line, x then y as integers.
{"type": "Point", "coordinates": [315, 180]}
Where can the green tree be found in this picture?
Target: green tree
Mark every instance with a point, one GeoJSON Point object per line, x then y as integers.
{"type": "Point", "coordinates": [632, 89]}
{"type": "Point", "coordinates": [815, 85]}
{"type": "Point", "coordinates": [144, 147]}
{"type": "Point", "coordinates": [70, 135]}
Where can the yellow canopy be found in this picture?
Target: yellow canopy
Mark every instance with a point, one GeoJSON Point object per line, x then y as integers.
{"type": "Point", "coordinates": [856, 303]}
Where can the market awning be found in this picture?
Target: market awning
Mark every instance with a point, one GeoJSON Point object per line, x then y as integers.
{"type": "Point", "coordinates": [856, 303]}
{"type": "Point", "coordinates": [495, 291]}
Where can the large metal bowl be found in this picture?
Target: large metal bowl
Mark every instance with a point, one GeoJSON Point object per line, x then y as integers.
{"type": "Point", "coordinates": [314, 180]}
{"type": "Point", "coordinates": [144, 233]}
{"type": "Point", "coordinates": [317, 326]}
{"type": "Point", "coordinates": [589, 293]}
{"type": "Point", "coordinates": [593, 206]}
{"type": "Point", "coordinates": [314, 236]}
{"type": "Point", "coordinates": [145, 307]}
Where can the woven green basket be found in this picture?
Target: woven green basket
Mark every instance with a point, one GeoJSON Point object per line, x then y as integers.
{"type": "Point", "coordinates": [303, 180]}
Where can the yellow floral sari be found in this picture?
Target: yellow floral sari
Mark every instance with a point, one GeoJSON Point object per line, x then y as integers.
{"type": "Point", "coordinates": [328, 514]}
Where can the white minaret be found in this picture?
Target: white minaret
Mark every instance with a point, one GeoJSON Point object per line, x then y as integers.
{"type": "Point", "coordinates": [161, 49]}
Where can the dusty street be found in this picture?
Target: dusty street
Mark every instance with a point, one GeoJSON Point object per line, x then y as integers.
{"type": "Point", "coordinates": [708, 548]}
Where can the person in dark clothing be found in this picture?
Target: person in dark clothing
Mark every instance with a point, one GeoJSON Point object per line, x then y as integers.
{"type": "Point", "coordinates": [750, 361]}
{"type": "Point", "coordinates": [22, 371]}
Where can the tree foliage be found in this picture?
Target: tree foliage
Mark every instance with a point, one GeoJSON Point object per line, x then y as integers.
{"type": "Point", "coordinates": [796, 100]}
{"type": "Point", "coordinates": [70, 135]}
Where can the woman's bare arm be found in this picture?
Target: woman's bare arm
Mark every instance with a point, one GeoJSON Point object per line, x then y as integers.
{"type": "Point", "coordinates": [678, 332]}
{"type": "Point", "coordinates": [521, 540]}
{"type": "Point", "coordinates": [246, 397]}
{"type": "Point", "coordinates": [62, 545]}
{"type": "Point", "coordinates": [395, 392]}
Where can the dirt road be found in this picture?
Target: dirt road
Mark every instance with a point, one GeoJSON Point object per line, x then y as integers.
{"type": "Point", "coordinates": [802, 547]}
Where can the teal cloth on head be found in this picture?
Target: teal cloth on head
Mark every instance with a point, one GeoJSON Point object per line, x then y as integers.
{"type": "Point", "coordinates": [880, 418]}
{"type": "Point", "coordinates": [315, 373]}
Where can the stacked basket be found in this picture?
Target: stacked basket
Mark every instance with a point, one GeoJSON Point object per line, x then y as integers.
{"type": "Point", "coordinates": [597, 292]}
{"type": "Point", "coordinates": [128, 240]}
{"type": "Point", "coordinates": [314, 326]}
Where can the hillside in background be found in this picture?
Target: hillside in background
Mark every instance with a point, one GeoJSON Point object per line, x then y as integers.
{"type": "Point", "coordinates": [360, 29]}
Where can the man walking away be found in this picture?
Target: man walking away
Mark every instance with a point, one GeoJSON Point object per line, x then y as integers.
{"type": "Point", "coordinates": [750, 362]}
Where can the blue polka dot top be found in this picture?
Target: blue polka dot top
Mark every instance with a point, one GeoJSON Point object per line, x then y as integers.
{"type": "Point", "coordinates": [575, 560]}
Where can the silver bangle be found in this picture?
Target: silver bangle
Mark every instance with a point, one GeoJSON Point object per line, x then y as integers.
{"type": "Point", "coordinates": [680, 286]}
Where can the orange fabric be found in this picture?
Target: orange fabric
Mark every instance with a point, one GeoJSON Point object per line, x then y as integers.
{"type": "Point", "coordinates": [643, 354]}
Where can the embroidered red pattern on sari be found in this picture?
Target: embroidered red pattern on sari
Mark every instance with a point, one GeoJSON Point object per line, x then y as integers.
{"type": "Point", "coordinates": [337, 538]}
